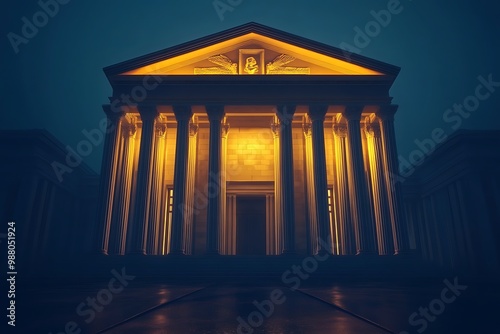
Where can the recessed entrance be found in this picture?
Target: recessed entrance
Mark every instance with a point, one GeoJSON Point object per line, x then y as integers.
{"type": "Point", "coordinates": [251, 225]}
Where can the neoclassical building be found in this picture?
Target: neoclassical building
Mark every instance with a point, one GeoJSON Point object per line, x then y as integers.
{"type": "Point", "coordinates": [251, 141]}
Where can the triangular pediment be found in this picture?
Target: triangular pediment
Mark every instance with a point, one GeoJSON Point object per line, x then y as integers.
{"type": "Point", "coordinates": [252, 49]}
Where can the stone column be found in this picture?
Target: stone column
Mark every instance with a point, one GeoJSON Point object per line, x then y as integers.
{"type": "Point", "coordinates": [231, 216]}
{"type": "Point", "coordinates": [278, 205]}
{"type": "Point", "coordinates": [148, 114]}
{"type": "Point", "coordinates": [380, 199]}
{"type": "Point", "coordinates": [270, 226]}
{"type": "Point", "coordinates": [285, 115]}
{"type": "Point", "coordinates": [156, 188]}
{"type": "Point", "coordinates": [121, 216]}
{"type": "Point", "coordinates": [215, 116]}
{"type": "Point", "coordinates": [311, 194]}
{"type": "Point", "coordinates": [183, 115]}
{"type": "Point", "coordinates": [360, 200]}
{"type": "Point", "coordinates": [224, 249]}
{"type": "Point", "coordinates": [347, 240]}
{"type": "Point", "coordinates": [317, 115]}
{"type": "Point", "coordinates": [108, 176]}
{"type": "Point", "coordinates": [190, 187]}
{"type": "Point", "coordinates": [391, 166]}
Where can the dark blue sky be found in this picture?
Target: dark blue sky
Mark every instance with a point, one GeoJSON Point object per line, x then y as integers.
{"type": "Point", "coordinates": [56, 82]}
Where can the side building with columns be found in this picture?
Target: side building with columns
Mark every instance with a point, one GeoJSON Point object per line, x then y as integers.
{"type": "Point", "coordinates": [251, 141]}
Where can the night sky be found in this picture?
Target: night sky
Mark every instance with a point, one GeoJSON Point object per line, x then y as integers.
{"type": "Point", "coordinates": [56, 81]}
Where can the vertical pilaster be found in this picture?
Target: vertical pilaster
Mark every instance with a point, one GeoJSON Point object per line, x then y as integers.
{"type": "Point", "coordinates": [215, 116]}
{"type": "Point", "coordinates": [231, 217]}
{"type": "Point", "coordinates": [360, 201]}
{"type": "Point", "coordinates": [183, 115]}
{"type": "Point", "coordinates": [380, 199]}
{"type": "Point", "coordinates": [190, 187]}
{"type": "Point", "coordinates": [278, 204]}
{"type": "Point", "coordinates": [148, 114]}
{"type": "Point", "coordinates": [108, 176]}
{"type": "Point", "coordinates": [347, 240]}
{"type": "Point", "coordinates": [311, 194]}
{"type": "Point", "coordinates": [317, 115]}
{"type": "Point", "coordinates": [285, 115]}
{"type": "Point", "coordinates": [270, 225]}
{"type": "Point", "coordinates": [400, 233]}
{"type": "Point", "coordinates": [224, 246]}
{"type": "Point", "coordinates": [156, 188]}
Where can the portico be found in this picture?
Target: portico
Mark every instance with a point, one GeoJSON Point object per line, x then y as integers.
{"type": "Point", "coordinates": [311, 145]}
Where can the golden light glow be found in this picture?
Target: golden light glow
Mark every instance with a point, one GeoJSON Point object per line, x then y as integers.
{"type": "Point", "coordinates": [326, 65]}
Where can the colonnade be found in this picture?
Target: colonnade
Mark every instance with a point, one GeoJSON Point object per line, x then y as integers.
{"type": "Point", "coordinates": [367, 209]}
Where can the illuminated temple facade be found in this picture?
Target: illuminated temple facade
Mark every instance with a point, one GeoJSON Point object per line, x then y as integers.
{"type": "Point", "coordinates": [251, 141]}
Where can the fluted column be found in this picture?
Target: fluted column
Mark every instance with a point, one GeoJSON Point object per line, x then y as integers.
{"type": "Point", "coordinates": [311, 194]}
{"type": "Point", "coordinates": [379, 193]}
{"type": "Point", "coordinates": [317, 115]}
{"type": "Point", "coordinates": [231, 217]}
{"type": "Point", "coordinates": [360, 200]}
{"type": "Point", "coordinates": [278, 205]}
{"type": "Point", "coordinates": [347, 240]}
{"type": "Point", "coordinates": [121, 215]}
{"type": "Point", "coordinates": [400, 232]}
{"type": "Point", "coordinates": [215, 116]}
{"type": "Point", "coordinates": [270, 226]}
{"type": "Point", "coordinates": [108, 176]}
{"type": "Point", "coordinates": [148, 113]}
{"type": "Point", "coordinates": [223, 242]}
{"type": "Point", "coordinates": [190, 187]}
{"type": "Point", "coordinates": [285, 115]}
{"type": "Point", "coordinates": [183, 115]}
{"type": "Point", "coordinates": [156, 188]}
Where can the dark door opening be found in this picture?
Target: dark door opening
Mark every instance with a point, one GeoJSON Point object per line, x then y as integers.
{"type": "Point", "coordinates": [251, 225]}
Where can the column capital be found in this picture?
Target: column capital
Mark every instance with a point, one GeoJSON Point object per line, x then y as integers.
{"type": "Point", "coordinates": [129, 130]}
{"type": "Point", "coordinates": [275, 128]}
{"type": "Point", "coordinates": [193, 128]}
{"type": "Point", "coordinates": [340, 130]}
{"type": "Point", "coordinates": [215, 112]}
{"type": "Point", "coordinates": [285, 113]}
{"type": "Point", "coordinates": [160, 129]}
{"type": "Point", "coordinates": [387, 112]}
{"type": "Point", "coordinates": [372, 129]}
{"type": "Point", "coordinates": [182, 112]}
{"type": "Point", "coordinates": [317, 112]}
{"type": "Point", "coordinates": [307, 128]}
{"type": "Point", "coordinates": [353, 112]}
{"type": "Point", "coordinates": [225, 129]}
